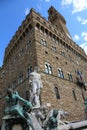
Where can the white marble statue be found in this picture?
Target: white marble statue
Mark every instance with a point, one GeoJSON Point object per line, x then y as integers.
{"type": "Point", "coordinates": [35, 84]}
{"type": "Point", "coordinates": [61, 114]}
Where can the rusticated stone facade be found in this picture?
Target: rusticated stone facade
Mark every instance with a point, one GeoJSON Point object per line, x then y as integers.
{"type": "Point", "coordinates": [48, 45]}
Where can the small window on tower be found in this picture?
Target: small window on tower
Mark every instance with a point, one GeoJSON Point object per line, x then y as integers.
{"type": "Point", "coordinates": [28, 44]}
{"type": "Point", "coordinates": [43, 42]}
{"type": "Point", "coordinates": [54, 48]}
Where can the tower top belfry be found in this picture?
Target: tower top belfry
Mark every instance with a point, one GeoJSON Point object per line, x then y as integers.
{"type": "Point", "coordinates": [58, 20]}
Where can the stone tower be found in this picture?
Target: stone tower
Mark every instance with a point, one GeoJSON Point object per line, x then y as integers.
{"type": "Point", "coordinates": [58, 20]}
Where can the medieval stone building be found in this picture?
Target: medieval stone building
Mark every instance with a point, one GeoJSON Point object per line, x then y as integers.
{"type": "Point", "coordinates": [61, 62]}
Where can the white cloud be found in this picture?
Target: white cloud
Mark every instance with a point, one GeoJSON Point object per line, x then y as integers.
{"type": "Point", "coordinates": [78, 5]}
{"type": "Point", "coordinates": [83, 21]}
{"type": "Point", "coordinates": [66, 2]}
{"type": "Point", "coordinates": [47, 0]}
{"type": "Point", "coordinates": [84, 35]}
{"type": "Point", "coordinates": [27, 11]}
{"type": "Point", "coordinates": [84, 46]}
{"type": "Point", "coordinates": [76, 37]}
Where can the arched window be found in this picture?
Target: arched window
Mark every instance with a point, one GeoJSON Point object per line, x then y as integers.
{"type": "Point", "coordinates": [70, 77]}
{"type": "Point", "coordinates": [63, 53]}
{"type": "Point", "coordinates": [56, 91]}
{"type": "Point", "coordinates": [24, 34]}
{"type": "Point", "coordinates": [46, 31]}
{"type": "Point", "coordinates": [26, 31]}
{"type": "Point", "coordinates": [54, 48]}
{"type": "Point", "coordinates": [43, 42]}
{"type": "Point", "coordinates": [50, 34]}
{"type": "Point", "coordinates": [29, 70]}
{"type": "Point", "coordinates": [42, 29]}
{"type": "Point", "coordinates": [30, 27]}
{"type": "Point", "coordinates": [37, 25]}
{"type": "Point", "coordinates": [48, 68]}
{"type": "Point", "coordinates": [28, 44]}
{"type": "Point", "coordinates": [60, 73]}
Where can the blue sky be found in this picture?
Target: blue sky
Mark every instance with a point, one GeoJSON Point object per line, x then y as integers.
{"type": "Point", "coordinates": [13, 12]}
